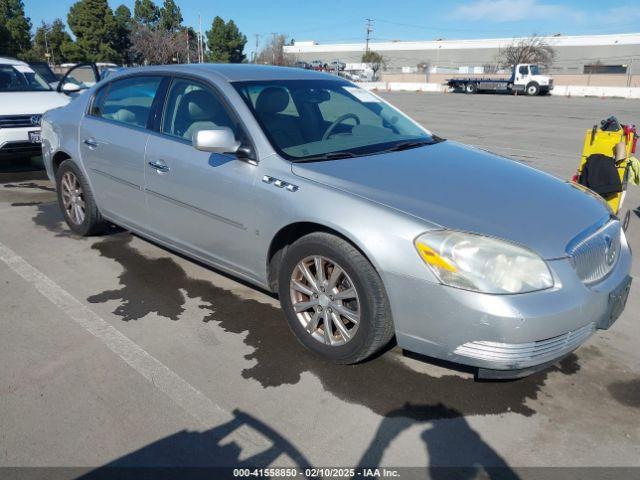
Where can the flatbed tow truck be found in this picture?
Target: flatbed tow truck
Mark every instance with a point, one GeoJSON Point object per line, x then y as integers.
{"type": "Point", "coordinates": [525, 78]}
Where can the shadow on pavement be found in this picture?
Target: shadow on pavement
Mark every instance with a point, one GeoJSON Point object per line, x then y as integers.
{"type": "Point", "coordinates": [385, 384]}
{"type": "Point", "coordinates": [453, 448]}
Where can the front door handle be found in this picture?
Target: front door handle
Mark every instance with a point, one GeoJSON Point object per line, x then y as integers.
{"type": "Point", "coordinates": [159, 167]}
{"type": "Point", "coordinates": [91, 142]}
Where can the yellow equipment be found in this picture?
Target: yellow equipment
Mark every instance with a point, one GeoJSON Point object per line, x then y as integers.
{"type": "Point", "coordinates": [603, 140]}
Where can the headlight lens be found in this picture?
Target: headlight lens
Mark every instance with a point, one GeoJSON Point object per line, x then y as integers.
{"type": "Point", "coordinates": [482, 264]}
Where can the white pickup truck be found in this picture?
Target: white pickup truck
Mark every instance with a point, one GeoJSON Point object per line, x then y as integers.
{"type": "Point", "coordinates": [525, 78]}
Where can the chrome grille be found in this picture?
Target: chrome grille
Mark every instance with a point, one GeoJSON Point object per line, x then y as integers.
{"type": "Point", "coordinates": [518, 353]}
{"type": "Point", "coordinates": [17, 121]}
{"type": "Point", "coordinates": [595, 254]}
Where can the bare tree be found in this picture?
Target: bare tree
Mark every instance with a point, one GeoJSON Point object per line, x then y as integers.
{"type": "Point", "coordinates": [160, 47]}
{"type": "Point", "coordinates": [534, 49]}
{"type": "Point", "coordinates": [273, 52]}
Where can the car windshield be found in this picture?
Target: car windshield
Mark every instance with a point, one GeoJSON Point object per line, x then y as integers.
{"type": "Point", "coordinates": [326, 119]}
{"type": "Point", "coordinates": [21, 78]}
{"type": "Point", "coordinates": [535, 70]}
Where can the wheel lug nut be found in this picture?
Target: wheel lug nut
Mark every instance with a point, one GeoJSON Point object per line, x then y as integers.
{"type": "Point", "coordinates": [330, 310]}
{"type": "Point", "coordinates": [315, 295]}
{"type": "Point", "coordinates": [319, 308]}
{"type": "Point", "coordinates": [330, 297]}
{"type": "Point", "coordinates": [322, 289]}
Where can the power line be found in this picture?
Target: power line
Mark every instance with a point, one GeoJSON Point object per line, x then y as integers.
{"type": "Point", "coordinates": [369, 26]}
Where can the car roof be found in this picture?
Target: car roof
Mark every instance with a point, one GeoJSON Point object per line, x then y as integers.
{"type": "Point", "coordinates": [11, 61]}
{"type": "Point", "coordinates": [235, 72]}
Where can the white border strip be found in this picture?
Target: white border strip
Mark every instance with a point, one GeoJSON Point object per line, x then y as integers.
{"type": "Point", "coordinates": [192, 400]}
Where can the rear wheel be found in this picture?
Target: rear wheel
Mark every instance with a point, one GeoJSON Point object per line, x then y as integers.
{"type": "Point", "coordinates": [76, 200]}
{"type": "Point", "coordinates": [333, 299]}
{"type": "Point", "coordinates": [471, 88]}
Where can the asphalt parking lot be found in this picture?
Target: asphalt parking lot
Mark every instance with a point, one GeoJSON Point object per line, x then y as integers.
{"type": "Point", "coordinates": [115, 351]}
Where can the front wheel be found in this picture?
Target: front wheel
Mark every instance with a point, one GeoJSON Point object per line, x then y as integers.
{"type": "Point", "coordinates": [471, 88]}
{"type": "Point", "coordinates": [334, 299]}
{"type": "Point", "coordinates": [532, 89]}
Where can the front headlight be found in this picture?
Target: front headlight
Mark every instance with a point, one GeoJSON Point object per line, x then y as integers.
{"type": "Point", "coordinates": [482, 264]}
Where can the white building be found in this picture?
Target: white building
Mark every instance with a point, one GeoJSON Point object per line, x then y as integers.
{"type": "Point", "coordinates": [583, 54]}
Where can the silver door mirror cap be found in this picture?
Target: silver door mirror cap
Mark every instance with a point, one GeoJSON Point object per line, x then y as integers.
{"type": "Point", "coordinates": [70, 88]}
{"type": "Point", "coordinates": [215, 140]}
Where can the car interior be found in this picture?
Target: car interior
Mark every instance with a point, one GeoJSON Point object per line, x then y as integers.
{"type": "Point", "coordinates": [303, 118]}
{"type": "Point", "coordinates": [191, 108]}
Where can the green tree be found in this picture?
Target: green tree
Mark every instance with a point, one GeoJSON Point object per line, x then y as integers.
{"type": "Point", "coordinates": [226, 42]}
{"type": "Point", "coordinates": [93, 24]}
{"type": "Point", "coordinates": [15, 28]}
{"type": "Point", "coordinates": [124, 27]}
{"type": "Point", "coordinates": [53, 44]}
{"type": "Point", "coordinates": [170, 16]}
{"type": "Point", "coordinates": [375, 61]}
{"type": "Point", "coordinates": [146, 13]}
{"type": "Point", "coordinates": [72, 52]}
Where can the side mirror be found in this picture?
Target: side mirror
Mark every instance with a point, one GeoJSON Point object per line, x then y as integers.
{"type": "Point", "coordinates": [70, 87]}
{"type": "Point", "coordinates": [215, 140]}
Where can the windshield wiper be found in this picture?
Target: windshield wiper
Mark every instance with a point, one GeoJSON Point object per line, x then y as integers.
{"type": "Point", "coordinates": [327, 156]}
{"type": "Point", "coordinates": [398, 147]}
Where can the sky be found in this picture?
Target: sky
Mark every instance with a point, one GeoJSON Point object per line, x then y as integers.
{"type": "Point", "coordinates": [343, 21]}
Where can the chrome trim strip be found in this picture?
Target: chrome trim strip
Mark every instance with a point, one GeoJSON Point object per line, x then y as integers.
{"type": "Point", "coordinates": [117, 179]}
{"type": "Point", "coordinates": [592, 255]}
{"type": "Point", "coordinates": [197, 210]}
{"type": "Point", "coordinates": [523, 352]}
{"type": "Point", "coordinates": [588, 233]}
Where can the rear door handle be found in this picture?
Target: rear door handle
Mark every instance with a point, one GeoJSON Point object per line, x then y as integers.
{"type": "Point", "coordinates": [159, 167]}
{"type": "Point", "coordinates": [91, 142]}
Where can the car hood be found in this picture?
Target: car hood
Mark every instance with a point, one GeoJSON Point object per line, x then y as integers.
{"type": "Point", "coordinates": [29, 103]}
{"type": "Point", "coordinates": [462, 188]}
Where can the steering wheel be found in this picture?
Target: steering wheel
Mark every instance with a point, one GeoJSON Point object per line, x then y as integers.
{"type": "Point", "coordinates": [338, 121]}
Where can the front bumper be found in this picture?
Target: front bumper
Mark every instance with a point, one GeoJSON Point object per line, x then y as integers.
{"type": "Point", "coordinates": [512, 333]}
{"type": "Point", "coordinates": [14, 142]}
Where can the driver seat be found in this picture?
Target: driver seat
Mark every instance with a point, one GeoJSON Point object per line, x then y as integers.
{"type": "Point", "coordinates": [284, 129]}
{"type": "Point", "coordinates": [199, 110]}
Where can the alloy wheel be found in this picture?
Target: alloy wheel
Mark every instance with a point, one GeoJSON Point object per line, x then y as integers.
{"type": "Point", "coordinates": [325, 300]}
{"type": "Point", "coordinates": [73, 198]}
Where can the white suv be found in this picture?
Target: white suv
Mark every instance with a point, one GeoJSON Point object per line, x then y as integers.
{"type": "Point", "coordinates": [24, 97]}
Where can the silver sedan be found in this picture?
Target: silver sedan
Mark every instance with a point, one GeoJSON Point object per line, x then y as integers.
{"type": "Point", "coordinates": [367, 225]}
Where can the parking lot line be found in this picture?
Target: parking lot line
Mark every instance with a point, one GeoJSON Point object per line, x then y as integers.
{"type": "Point", "coordinates": [192, 400]}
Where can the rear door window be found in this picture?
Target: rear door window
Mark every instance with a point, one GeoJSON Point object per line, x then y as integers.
{"type": "Point", "coordinates": [127, 101]}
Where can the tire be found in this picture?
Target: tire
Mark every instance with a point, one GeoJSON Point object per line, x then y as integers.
{"type": "Point", "coordinates": [471, 88]}
{"type": "Point", "coordinates": [374, 327]}
{"type": "Point", "coordinates": [92, 222]}
{"type": "Point", "coordinates": [532, 89]}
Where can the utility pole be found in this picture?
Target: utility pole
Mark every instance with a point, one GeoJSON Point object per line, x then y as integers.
{"type": "Point", "coordinates": [200, 41]}
{"type": "Point", "coordinates": [273, 47]}
{"type": "Point", "coordinates": [186, 34]}
{"type": "Point", "coordinates": [46, 46]}
{"type": "Point", "coordinates": [255, 58]}
{"type": "Point", "coordinates": [369, 26]}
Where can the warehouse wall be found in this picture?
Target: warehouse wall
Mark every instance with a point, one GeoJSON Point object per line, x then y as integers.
{"type": "Point", "coordinates": [569, 59]}
{"type": "Point", "coordinates": [559, 79]}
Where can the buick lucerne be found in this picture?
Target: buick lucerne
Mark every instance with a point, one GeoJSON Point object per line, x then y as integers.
{"type": "Point", "coordinates": [367, 225]}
